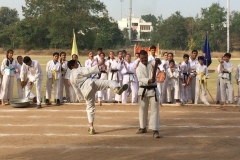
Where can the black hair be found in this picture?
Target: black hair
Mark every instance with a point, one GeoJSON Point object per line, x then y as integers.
{"type": "Point", "coordinates": [77, 58]}
{"type": "Point", "coordinates": [171, 61]}
{"type": "Point", "coordinates": [227, 55]}
{"type": "Point", "coordinates": [26, 59]}
{"type": "Point", "coordinates": [99, 49]}
{"type": "Point", "coordinates": [102, 53]}
{"type": "Point", "coordinates": [18, 57]}
{"type": "Point", "coordinates": [200, 58]}
{"type": "Point", "coordinates": [143, 52]}
{"type": "Point", "coordinates": [55, 53]}
{"type": "Point", "coordinates": [71, 63]}
{"type": "Point", "coordinates": [165, 53]}
{"type": "Point", "coordinates": [185, 56]}
{"type": "Point", "coordinates": [61, 55]}
{"type": "Point", "coordinates": [153, 47]}
{"type": "Point", "coordinates": [171, 54]}
{"type": "Point", "coordinates": [137, 53]}
{"type": "Point", "coordinates": [128, 54]}
{"type": "Point", "coordinates": [109, 53]}
{"type": "Point", "coordinates": [124, 51]}
{"type": "Point", "coordinates": [9, 60]}
{"type": "Point", "coordinates": [195, 51]}
{"type": "Point", "coordinates": [120, 52]}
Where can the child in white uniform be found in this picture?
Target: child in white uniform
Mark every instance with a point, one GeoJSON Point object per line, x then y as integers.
{"type": "Point", "coordinates": [20, 89]}
{"type": "Point", "coordinates": [53, 70]}
{"type": "Point", "coordinates": [185, 70]}
{"type": "Point", "coordinates": [129, 77]}
{"type": "Point", "coordinates": [63, 80]}
{"type": "Point", "coordinates": [79, 78]}
{"type": "Point", "coordinates": [9, 70]}
{"type": "Point", "coordinates": [173, 82]}
{"type": "Point", "coordinates": [201, 81]}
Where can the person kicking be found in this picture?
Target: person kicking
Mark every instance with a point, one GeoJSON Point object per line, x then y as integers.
{"type": "Point", "coordinates": [79, 78]}
{"type": "Point", "coordinates": [148, 94]}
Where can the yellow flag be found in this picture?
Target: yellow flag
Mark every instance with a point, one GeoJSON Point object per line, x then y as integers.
{"type": "Point", "coordinates": [74, 45]}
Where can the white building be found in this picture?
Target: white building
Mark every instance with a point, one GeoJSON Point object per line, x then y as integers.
{"type": "Point", "coordinates": [138, 24]}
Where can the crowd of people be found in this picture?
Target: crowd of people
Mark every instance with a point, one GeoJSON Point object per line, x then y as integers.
{"type": "Point", "coordinates": [115, 77]}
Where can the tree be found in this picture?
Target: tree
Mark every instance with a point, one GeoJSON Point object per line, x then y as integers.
{"type": "Point", "coordinates": [235, 31]}
{"type": "Point", "coordinates": [8, 16]}
{"type": "Point", "coordinates": [150, 18]}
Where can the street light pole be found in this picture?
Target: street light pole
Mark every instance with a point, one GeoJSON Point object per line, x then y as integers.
{"type": "Point", "coordinates": [130, 23]}
{"type": "Point", "coordinates": [121, 8]}
{"type": "Point", "coordinates": [228, 22]}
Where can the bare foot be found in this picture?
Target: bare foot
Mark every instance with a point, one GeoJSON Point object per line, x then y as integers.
{"type": "Point", "coordinates": [100, 103]}
{"type": "Point", "coordinates": [3, 104]}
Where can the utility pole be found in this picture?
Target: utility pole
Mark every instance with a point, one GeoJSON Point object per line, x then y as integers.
{"type": "Point", "coordinates": [121, 8]}
{"type": "Point", "coordinates": [130, 23]}
{"type": "Point", "coordinates": [228, 22]}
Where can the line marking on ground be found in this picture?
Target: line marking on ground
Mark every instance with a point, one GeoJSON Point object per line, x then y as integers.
{"type": "Point", "coordinates": [102, 135]}
{"type": "Point", "coordinates": [114, 126]}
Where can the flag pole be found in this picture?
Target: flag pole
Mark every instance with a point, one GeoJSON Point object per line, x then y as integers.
{"type": "Point", "coordinates": [228, 21]}
{"type": "Point", "coordinates": [207, 51]}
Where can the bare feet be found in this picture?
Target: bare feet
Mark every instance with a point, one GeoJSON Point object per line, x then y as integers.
{"type": "Point", "coordinates": [100, 103]}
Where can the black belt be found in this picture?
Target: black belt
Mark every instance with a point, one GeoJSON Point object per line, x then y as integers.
{"type": "Point", "coordinates": [184, 77]}
{"type": "Point", "coordinates": [114, 71]}
{"type": "Point", "coordinates": [148, 88]}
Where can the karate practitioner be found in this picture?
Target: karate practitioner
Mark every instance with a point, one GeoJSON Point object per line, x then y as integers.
{"type": "Point", "coordinates": [79, 78]}
{"type": "Point", "coordinates": [97, 57]}
{"type": "Point", "coordinates": [153, 53]}
{"type": "Point", "coordinates": [201, 73]}
{"type": "Point", "coordinates": [120, 60]}
{"type": "Point", "coordinates": [162, 87]}
{"type": "Point", "coordinates": [63, 80]}
{"type": "Point", "coordinates": [20, 89]}
{"type": "Point", "coordinates": [226, 69]}
{"type": "Point", "coordinates": [113, 68]}
{"type": "Point", "coordinates": [33, 70]}
{"type": "Point", "coordinates": [8, 70]}
{"type": "Point", "coordinates": [53, 70]}
{"type": "Point", "coordinates": [148, 94]}
{"type": "Point", "coordinates": [129, 77]}
{"type": "Point", "coordinates": [185, 71]}
{"type": "Point", "coordinates": [237, 77]}
{"type": "Point", "coordinates": [172, 83]}
{"type": "Point", "coordinates": [193, 64]}
{"type": "Point", "coordinates": [103, 75]}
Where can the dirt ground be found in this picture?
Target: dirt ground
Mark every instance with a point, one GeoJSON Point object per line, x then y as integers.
{"type": "Point", "coordinates": [189, 132]}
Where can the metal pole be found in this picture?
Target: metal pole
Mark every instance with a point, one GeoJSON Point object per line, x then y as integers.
{"type": "Point", "coordinates": [228, 22]}
{"type": "Point", "coordinates": [130, 23]}
{"type": "Point", "coordinates": [121, 8]}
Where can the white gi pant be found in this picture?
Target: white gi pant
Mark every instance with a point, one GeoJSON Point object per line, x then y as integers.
{"type": "Point", "coordinates": [102, 94]}
{"type": "Point", "coordinates": [134, 87]}
{"type": "Point", "coordinates": [28, 89]}
{"type": "Point", "coordinates": [197, 94]}
{"type": "Point", "coordinates": [56, 87]}
{"type": "Point", "coordinates": [154, 121]}
{"type": "Point", "coordinates": [6, 91]}
{"type": "Point", "coordinates": [164, 90]}
{"type": "Point", "coordinates": [98, 85]}
{"type": "Point", "coordinates": [110, 94]}
{"type": "Point", "coordinates": [184, 93]}
{"type": "Point", "coordinates": [173, 88]}
{"type": "Point", "coordinates": [20, 89]}
{"type": "Point", "coordinates": [238, 100]}
{"type": "Point", "coordinates": [218, 94]}
{"type": "Point", "coordinates": [64, 84]}
{"type": "Point", "coordinates": [73, 97]}
{"type": "Point", "coordinates": [224, 85]}
{"type": "Point", "coordinates": [159, 87]}
{"type": "Point", "coordinates": [192, 88]}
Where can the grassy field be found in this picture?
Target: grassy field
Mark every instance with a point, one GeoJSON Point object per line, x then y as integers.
{"type": "Point", "coordinates": [212, 82]}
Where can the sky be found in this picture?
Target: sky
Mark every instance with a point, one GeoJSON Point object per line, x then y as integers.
{"type": "Point", "coordinates": [143, 7]}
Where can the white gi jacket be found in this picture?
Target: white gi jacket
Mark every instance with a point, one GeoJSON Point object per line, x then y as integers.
{"type": "Point", "coordinates": [173, 78]}
{"type": "Point", "coordinates": [184, 69]}
{"type": "Point", "coordinates": [201, 69]}
{"type": "Point", "coordinates": [79, 80]}
{"type": "Point", "coordinates": [193, 65]}
{"type": "Point", "coordinates": [33, 72]}
{"type": "Point", "coordinates": [10, 69]}
{"type": "Point", "coordinates": [144, 73]}
{"type": "Point", "coordinates": [55, 68]}
{"type": "Point", "coordinates": [114, 70]}
{"type": "Point", "coordinates": [228, 66]}
{"type": "Point", "coordinates": [129, 72]}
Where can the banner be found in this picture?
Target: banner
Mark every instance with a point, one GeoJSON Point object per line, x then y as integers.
{"type": "Point", "coordinates": [138, 48]}
{"type": "Point", "coordinates": [74, 45]}
{"type": "Point", "coordinates": [207, 52]}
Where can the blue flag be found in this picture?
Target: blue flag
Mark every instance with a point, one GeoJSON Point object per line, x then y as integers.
{"type": "Point", "coordinates": [207, 51]}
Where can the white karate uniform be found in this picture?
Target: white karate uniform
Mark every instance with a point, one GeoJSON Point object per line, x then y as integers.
{"type": "Point", "coordinates": [53, 67]}
{"type": "Point", "coordinates": [150, 57]}
{"type": "Point", "coordinates": [34, 74]}
{"type": "Point", "coordinates": [79, 80]}
{"type": "Point", "coordinates": [218, 94]}
{"type": "Point", "coordinates": [184, 90]}
{"type": "Point", "coordinates": [237, 77]}
{"type": "Point", "coordinates": [63, 82]}
{"type": "Point", "coordinates": [201, 69]}
{"type": "Point", "coordinates": [129, 77]}
{"type": "Point", "coordinates": [172, 84]}
{"type": "Point", "coordinates": [193, 65]}
{"type": "Point", "coordinates": [162, 87]}
{"type": "Point", "coordinates": [8, 73]}
{"type": "Point", "coordinates": [20, 89]}
{"type": "Point", "coordinates": [151, 96]}
{"type": "Point", "coordinates": [226, 82]}
{"type": "Point", "coordinates": [102, 94]}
